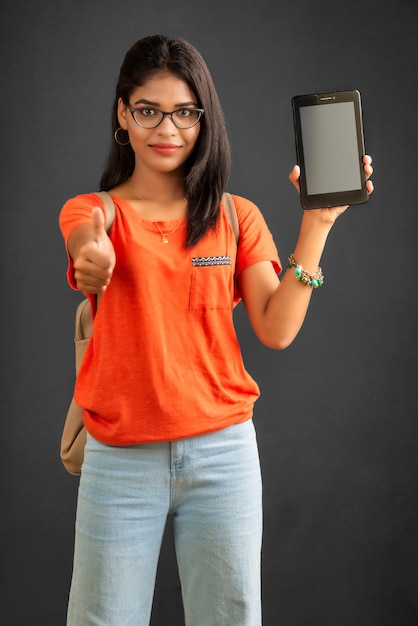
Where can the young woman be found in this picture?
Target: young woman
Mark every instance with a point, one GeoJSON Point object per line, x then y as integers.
{"type": "Point", "coordinates": [168, 402]}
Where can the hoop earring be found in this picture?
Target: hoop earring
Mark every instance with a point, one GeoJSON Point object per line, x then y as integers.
{"type": "Point", "coordinates": [115, 135]}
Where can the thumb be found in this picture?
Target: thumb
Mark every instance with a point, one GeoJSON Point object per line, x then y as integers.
{"type": "Point", "coordinates": [294, 176]}
{"type": "Point", "coordinates": [98, 223]}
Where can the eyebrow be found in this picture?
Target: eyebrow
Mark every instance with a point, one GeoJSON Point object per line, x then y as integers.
{"type": "Point", "coordinates": [156, 104]}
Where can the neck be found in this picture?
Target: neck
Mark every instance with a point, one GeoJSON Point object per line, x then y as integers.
{"type": "Point", "coordinates": [162, 189]}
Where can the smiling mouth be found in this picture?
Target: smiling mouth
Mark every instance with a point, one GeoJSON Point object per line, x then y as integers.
{"type": "Point", "coordinates": [165, 148]}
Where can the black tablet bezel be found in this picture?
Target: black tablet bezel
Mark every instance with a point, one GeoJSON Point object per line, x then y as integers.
{"type": "Point", "coordinates": [340, 198]}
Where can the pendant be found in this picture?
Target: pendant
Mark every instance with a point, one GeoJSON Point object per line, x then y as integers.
{"type": "Point", "coordinates": [164, 239]}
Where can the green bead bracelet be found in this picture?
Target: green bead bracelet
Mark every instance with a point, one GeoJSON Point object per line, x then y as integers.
{"type": "Point", "coordinates": [312, 280]}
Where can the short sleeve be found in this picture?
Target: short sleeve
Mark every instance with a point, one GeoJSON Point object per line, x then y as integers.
{"type": "Point", "coordinates": [256, 241]}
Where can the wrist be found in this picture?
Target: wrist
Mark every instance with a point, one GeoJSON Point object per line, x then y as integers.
{"type": "Point", "coordinates": [317, 219]}
{"type": "Point", "coordinates": [311, 242]}
{"type": "Point", "coordinates": [312, 280]}
{"type": "Point", "coordinates": [312, 235]}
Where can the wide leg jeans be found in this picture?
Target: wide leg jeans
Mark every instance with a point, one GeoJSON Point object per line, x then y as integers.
{"type": "Point", "coordinates": [211, 484]}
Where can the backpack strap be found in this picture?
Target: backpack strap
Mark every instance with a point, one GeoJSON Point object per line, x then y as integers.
{"type": "Point", "coordinates": [231, 213]}
{"type": "Point", "coordinates": [109, 208]}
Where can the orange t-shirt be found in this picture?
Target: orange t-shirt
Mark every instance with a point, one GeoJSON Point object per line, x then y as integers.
{"type": "Point", "coordinates": [164, 361]}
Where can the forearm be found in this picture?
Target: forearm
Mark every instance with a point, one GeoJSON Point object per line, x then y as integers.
{"type": "Point", "coordinates": [288, 305]}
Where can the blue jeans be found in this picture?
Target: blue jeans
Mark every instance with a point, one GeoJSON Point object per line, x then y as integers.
{"type": "Point", "coordinates": [212, 486]}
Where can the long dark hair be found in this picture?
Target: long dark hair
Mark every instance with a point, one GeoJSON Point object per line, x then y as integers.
{"type": "Point", "coordinates": [207, 170]}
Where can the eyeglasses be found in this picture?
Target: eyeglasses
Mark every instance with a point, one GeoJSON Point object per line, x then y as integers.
{"type": "Point", "coordinates": [182, 118]}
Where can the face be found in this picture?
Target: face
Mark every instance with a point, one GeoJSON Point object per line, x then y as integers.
{"type": "Point", "coordinates": [164, 148]}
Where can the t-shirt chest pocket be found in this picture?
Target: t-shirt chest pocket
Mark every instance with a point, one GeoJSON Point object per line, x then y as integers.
{"type": "Point", "coordinates": [212, 283]}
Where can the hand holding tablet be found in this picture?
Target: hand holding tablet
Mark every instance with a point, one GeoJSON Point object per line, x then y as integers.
{"type": "Point", "coordinates": [330, 149]}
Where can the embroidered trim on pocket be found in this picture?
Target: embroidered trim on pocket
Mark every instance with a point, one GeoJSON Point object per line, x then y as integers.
{"type": "Point", "coordinates": [199, 261]}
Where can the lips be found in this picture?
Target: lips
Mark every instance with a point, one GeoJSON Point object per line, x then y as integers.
{"type": "Point", "coordinates": [165, 148]}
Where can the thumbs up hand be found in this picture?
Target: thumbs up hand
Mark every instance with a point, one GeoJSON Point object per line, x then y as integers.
{"type": "Point", "coordinates": [95, 258]}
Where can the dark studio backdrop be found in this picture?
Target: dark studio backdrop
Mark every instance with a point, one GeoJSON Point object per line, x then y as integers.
{"type": "Point", "coordinates": [337, 419]}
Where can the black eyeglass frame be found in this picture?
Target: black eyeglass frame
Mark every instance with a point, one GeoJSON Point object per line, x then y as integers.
{"type": "Point", "coordinates": [164, 113]}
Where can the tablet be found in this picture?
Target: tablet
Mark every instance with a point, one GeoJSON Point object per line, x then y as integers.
{"type": "Point", "coordinates": [329, 149]}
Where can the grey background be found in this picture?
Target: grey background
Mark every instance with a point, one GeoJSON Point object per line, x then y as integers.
{"type": "Point", "coordinates": [337, 417]}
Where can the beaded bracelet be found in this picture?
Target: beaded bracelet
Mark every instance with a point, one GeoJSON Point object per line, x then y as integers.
{"type": "Point", "coordinates": [313, 280]}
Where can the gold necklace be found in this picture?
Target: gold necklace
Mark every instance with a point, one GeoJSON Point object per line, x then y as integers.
{"type": "Point", "coordinates": [163, 235]}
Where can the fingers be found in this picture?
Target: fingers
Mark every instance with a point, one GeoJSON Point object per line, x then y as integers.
{"type": "Point", "coordinates": [369, 186]}
{"type": "Point", "coordinates": [91, 277]}
{"type": "Point", "coordinates": [368, 169]}
{"type": "Point", "coordinates": [89, 284]}
{"type": "Point", "coordinates": [367, 160]}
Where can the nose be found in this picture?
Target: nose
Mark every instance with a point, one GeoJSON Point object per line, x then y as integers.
{"type": "Point", "coordinates": [167, 120]}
